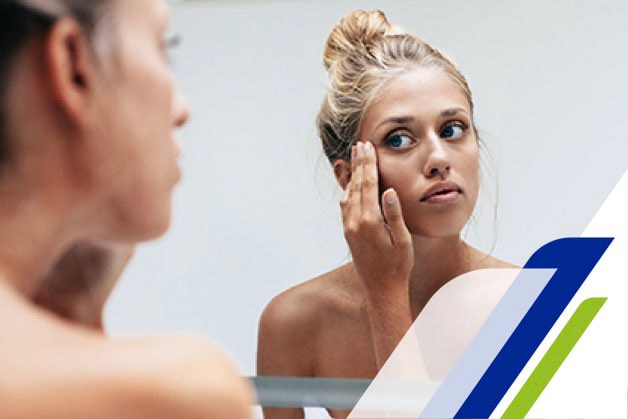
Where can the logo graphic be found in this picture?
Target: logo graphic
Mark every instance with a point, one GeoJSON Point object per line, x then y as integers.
{"type": "Point", "coordinates": [555, 345]}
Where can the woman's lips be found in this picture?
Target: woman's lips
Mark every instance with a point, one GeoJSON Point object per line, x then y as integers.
{"type": "Point", "coordinates": [177, 147]}
{"type": "Point", "coordinates": [442, 197]}
{"type": "Point", "coordinates": [442, 192]}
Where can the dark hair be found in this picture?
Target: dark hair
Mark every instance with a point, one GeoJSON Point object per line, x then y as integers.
{"type": "Point", "coordinates": [21, 22]}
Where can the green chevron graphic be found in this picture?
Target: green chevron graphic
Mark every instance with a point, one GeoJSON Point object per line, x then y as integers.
{"type": "Point", "coordinates": [553, 358]}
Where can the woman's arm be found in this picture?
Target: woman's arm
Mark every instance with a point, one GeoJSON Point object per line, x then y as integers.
{"type": "Point", "coordinates": [382, 251]}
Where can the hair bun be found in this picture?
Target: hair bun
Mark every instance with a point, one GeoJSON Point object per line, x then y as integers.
{"type": "Point", "coordinates": [355, 32]}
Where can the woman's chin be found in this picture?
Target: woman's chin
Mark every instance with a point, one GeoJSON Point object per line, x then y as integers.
{"type": "Point", "coordinates": [438, 225]}
{"type": "Point", "coordinates": [436, 231]}
{"type": "Point", "coordinates": [140, 227]}
{"type": "Point", "coordinates": [155, 229]}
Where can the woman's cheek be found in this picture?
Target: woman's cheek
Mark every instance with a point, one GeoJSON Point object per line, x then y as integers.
{"type": "Point", "coordinates": [387, 173]}
{"type": "Point", "coordinates": [473, 175]}
{"type": "Point", "coordinates": [400, 181]}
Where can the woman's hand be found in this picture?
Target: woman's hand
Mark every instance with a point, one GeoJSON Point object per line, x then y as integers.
{"type": "Point", "coordinates": [380, 242]}
{"type": "Point", "coordinates": [382, 251]}
{"type": "Point", "coordinates": [80, 282]}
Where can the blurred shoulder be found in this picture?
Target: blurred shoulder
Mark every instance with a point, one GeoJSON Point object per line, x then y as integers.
{"type": "Point", "coordinates": [99, 377]}
{"type": "Point", "coordinates": [187, 375]}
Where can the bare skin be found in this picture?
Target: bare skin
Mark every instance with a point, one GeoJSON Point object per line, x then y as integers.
{"type": "Point", "coordinates": [321, 328]}
{"type": "Point", "coordinates": [90, 174]}
{"type": "Point", "coordinates": [54, 368]}
{"type": "Point", "coordinates": [405, 246]}
{"type": "Point", "coordinates": [77, 287]}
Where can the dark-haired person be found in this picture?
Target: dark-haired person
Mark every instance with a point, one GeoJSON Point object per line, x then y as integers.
{"type": "Point", "coordinates": [88, 162]}
{"type": "Point", "coordinates": [397, 126]}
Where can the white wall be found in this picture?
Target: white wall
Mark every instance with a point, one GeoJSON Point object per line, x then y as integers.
{"type": "Point", "coordinates": [256, 211]}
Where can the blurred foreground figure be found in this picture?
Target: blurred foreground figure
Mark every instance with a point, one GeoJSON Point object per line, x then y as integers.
{"type": "Point", "coordinates": [88, 162]}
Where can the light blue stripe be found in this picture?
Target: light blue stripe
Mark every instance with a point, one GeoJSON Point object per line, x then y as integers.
{"type": "Point", "coordinates": [487, 343]}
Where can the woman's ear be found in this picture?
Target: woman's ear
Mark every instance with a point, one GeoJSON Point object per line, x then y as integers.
{"type": "Point", "coordinates": [71, 67]}
{"type": "Point", "coordinates": [342, 171]}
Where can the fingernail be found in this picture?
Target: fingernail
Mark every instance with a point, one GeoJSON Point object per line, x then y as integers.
{"type": "Point", "coordinates": [391, 197]}
{"type": "Point", "coordinates": [368, 146]}
{"type": "Point", "coordinates": [360, 150]}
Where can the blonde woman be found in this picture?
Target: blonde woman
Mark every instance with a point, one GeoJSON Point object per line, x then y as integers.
{"type": "Point", "coordinates": [397, 126]}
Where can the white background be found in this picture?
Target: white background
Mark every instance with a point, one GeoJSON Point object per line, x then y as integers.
{"type": "Point", "coordinates": [256, 211]}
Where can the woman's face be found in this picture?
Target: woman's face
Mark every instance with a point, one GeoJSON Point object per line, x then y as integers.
{"type": "Point", "coordinates": [422, 129]}
{"type": "Point", "coordinates": [139, 109]}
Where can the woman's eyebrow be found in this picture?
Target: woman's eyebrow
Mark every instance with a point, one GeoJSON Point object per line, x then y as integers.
{"type": "Point", "coordinates": [452, 111]}
{"type": "Point", "coordinates": [396, 120]}
{"type": "Point", "coordinates": [406, 119]}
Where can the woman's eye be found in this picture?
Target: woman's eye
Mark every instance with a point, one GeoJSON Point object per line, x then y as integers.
{"type": "Point", "coordinates": [398, 141]}
{"type": "Point", "coordinates": [171, 41]}
{"type": "Point", "coordinates": [453, 130]}
{"type": "Point", "coordinates": [168, 44]}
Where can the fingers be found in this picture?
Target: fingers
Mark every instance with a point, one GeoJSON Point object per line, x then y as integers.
{"type": "Point", "coordinates": [361, 191]}
{"type": "Point", "coordinates": [357, 174]}
{"type": "Point", "coordinates": [351, 184]}
{"type": "Point", "coordinates": [361, 211]}
{"type": "Point", "coordinates": [394, 218]}
{"type": "Point", "coordinates": [363, 187]}
{"type": "Point", "coordinates": [370, 198]}
{"type": "Point", "coordinates": [351, 203]}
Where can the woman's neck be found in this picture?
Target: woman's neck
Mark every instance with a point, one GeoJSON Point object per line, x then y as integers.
{"type": "Point", "coordinates": [34, 233]}
{"type": "Point", "coordinates": [436, 262]}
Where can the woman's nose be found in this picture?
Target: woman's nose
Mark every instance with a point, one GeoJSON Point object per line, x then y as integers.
{"type": "Point", "coordinates": [180, 110]}
{"type": "Point", "coordinates": [438, 161]}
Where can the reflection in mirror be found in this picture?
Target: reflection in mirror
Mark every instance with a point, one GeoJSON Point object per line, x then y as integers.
{"type": "Point", "coordinates": [256, 187]}
{"type": "Point", "coordinates": [397, 125]}
{"type": "Point", "coordinates": [399, 128]}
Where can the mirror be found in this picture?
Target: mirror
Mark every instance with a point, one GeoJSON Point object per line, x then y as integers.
{"type": "Point", "coordinates": [257, 212]}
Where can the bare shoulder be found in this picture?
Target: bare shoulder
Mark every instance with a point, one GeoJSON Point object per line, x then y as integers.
{"type": "Point", "coordinates": [306, 300]}
{"type": "Point", "coordinates": [291, 322]}
{"type": "Point", "coordinates": [189, 375]}
{"type": "Point", "coordinates": [481, 260]}
{"type": "Point", "coordinates": [73, 372]}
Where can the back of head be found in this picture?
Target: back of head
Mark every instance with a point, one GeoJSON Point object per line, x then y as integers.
{"type": "Point", "coordinates": [362, 53]}
{"type": "Point", "coordinates": [24, 20]}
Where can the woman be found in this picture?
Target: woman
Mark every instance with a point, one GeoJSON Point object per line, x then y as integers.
{"type": "Point", "coordinates": [397, 118]}
{"type": "Point", "coordinates": [88, 109]}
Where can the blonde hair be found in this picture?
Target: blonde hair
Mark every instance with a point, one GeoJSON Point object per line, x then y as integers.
{"type": "Point", "coordinates": [362, 53]}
